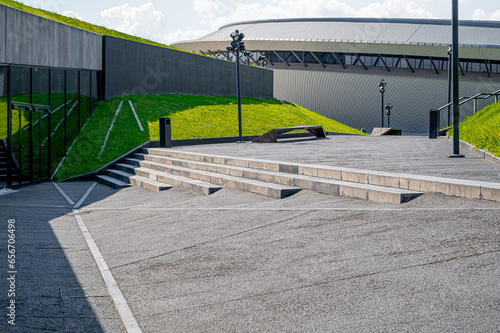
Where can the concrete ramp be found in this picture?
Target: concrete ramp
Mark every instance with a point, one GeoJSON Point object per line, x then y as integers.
{"type": "Point", "coordinates": [378, 131]}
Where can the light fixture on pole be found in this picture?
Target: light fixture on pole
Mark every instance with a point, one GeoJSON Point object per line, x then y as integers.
{"type": "Point", "coordinates": [237, 45]}
{"type": "Point", "coordinates": [381, 87]}
{"type": "Point", "coordinates": [388, 108]}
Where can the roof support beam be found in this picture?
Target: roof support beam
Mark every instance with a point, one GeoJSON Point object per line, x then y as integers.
{"type": "Point", "coordinates": [487, 69]}
{"type": "Point", "coordinates": [281, 58]}
{"type": "Point", "coordinates": [383, 61]}
{"type": "Point", "coordinates": [461, 69]}
{"type": "Point", "coordinates": [296, 56]}
{"type": "Point", "coordinates": [225, 54]}
{"type": "Point", "coordinates": [434, 65]}
{"type": "Point", "coordinates": [241, 61]}
{"type": "Point", "coordinates": [317, 59]}
{"type": "Point", "coordinates": [360, 61]}
{"type": "Point", "coordinates": [338, 59]}
{"type": "Point", "coordinates": [409, 65]}
{"type": "Point", "coordinates": [211, 53]}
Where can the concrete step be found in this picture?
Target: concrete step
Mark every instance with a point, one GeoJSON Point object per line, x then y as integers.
{"type": "Point", "coordinates": [178, 181]}
{"type": "Point", "coordinates": [149, 184]}
{"type": "Point", "coordinates": [250, 185]}
{"type": "Point", "coordinates": [318, 184]}
{"type": "Point", "coordinates": [3, 177]}
{"type": "Point", "coordinates": [166, 178]}
{"type": "Point", "coordinates": [112, 182]}
{"type": "Point", "coordinates": [131, 178]}
{"type": "Point", "coordinates": [448, 186]}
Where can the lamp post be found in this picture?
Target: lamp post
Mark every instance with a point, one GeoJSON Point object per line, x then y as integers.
{"type": "Point", "coordinates": [454, 75]}
{"type": "Point", "coordinates": [237, 45]}
{"type": "Point", "coordinates": [388, 108]}
{"type": "Point", "coordinates": [449, 84]}
{"type": "Point", "coordinates": [381, 86]}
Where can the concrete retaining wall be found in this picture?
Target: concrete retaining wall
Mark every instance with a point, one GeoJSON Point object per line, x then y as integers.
{"type": "Point", "coordinates": [136, 68]}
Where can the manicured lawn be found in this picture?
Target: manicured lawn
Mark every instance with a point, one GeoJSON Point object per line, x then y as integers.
{"type": "Point", "coordinates": [191, 117]}
{"type": "Point", "coordinates": [483, 129]}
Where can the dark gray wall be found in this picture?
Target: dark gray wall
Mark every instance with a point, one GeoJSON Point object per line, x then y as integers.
{"type": "Point", "coordinates": [136, 68]}
{"type": "Point", "coordinates": [27, 39]}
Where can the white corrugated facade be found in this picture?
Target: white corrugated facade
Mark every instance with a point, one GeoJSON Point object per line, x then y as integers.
{"type": "Point", "coordinates": [409, 54]}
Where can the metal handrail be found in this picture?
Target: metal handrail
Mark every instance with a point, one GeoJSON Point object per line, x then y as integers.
{"type": "Point", "coordinates": [464, 100]}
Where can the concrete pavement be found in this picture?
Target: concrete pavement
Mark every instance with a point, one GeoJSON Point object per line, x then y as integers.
{"type": "Point", "coordinates": [240, 262]}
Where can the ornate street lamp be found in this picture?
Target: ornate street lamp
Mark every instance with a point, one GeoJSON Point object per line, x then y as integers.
{"type": "Point", "coordinates": [381, 87]}
{"type": "Point", "coordinates": [388, 108]}
{"type": "Point", "coordinates": [237, 45]}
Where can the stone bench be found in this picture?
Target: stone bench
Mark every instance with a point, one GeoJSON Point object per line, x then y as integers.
{"type": "Point", "coordinates": [272, 135]}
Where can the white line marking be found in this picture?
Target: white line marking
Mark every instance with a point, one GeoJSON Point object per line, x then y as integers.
{"type": "Point", "coordinates": [110, 128]}
{"type": "Point", "coordinates": [68, 199]}
{"type": "Point", "coordinates": [70, 148]}
{"type": "Point", "coordinates": [135, 114]}
{"type": "Point", "coordinates": [113, 289]}
{"type": "Point", "coordinates": [79, 203]}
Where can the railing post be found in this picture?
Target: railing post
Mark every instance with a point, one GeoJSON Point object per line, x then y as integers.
{"type": "Point", "coordinates": [9, 130]}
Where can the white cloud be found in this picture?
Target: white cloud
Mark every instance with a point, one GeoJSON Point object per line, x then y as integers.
{"type": "Point", "coordinates": [220, 12]}
{"type": "Point", "coordinates": [183, 35]}
{"type": "Point", "coordinates": [480, 14]}
{"type": "Point", "coordinates": [72, 14]}
{"type": "Point", "coordinates": [394, 8]}
{"type": "Point", "coordinates": [143, 21]}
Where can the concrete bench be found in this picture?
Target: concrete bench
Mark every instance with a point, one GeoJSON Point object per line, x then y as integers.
{"type": "Point", "coordinates": [272, 135]}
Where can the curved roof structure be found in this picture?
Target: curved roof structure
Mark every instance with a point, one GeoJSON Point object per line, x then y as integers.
{"type": "Point", "coordinates": [410, 37]}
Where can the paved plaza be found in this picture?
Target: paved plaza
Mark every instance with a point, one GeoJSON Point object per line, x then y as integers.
{"type": "Point", "coordinates": [89, 258]}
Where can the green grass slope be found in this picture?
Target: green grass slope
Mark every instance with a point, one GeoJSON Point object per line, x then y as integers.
{"type": "Point", "coordinates": [482, 129]}
{"type": "Point", "coordinates": [79, 24]}
{"type": "Point", "coordinates": [191, 117]}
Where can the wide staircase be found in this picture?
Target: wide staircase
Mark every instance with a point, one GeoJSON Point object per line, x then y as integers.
{"type": "Point", "coordinates": [158, 169]}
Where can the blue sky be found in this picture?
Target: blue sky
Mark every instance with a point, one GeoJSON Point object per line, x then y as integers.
{"type": "Point", "coordinates": [168, 21]}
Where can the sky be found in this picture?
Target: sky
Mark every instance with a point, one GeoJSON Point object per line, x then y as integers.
{"type": "Point", "coordinates": [168, 21]}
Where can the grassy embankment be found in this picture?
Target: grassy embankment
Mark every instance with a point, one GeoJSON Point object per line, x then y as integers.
{"type": "Point", "coordinates": [191, 117]}
{"type": "Point", "coordinates": [482, 129]}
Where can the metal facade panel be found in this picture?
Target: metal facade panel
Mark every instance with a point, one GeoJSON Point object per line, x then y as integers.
{"type": "Point", "coordinates": [28, 39]}
{"type": "Point", "coordinates": [3, 32]}
{"type": "Point", "coordinates": [155, 70]}
{"type": "Point", "coordinates": [354, 99]}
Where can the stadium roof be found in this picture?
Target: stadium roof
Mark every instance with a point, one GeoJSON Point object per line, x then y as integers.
{"type": "Point", "coordinates": [412, 37]}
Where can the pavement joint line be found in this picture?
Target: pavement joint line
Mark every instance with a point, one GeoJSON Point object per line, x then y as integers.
{"type": "Point", "coordinates": [110, 128]}
{"type": "Point", "coordinates": [135, 114]}
{"type": "Point", "coordinates": [82, 200]}
{"type": "Point", "coordinates": [214, 239]}
{"type": "Point", "coordinates": [288, 209]}
{"type": "Point", "coordinates": [65, 196]}
{"type": "Point", "coordinates": [124, 311]}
